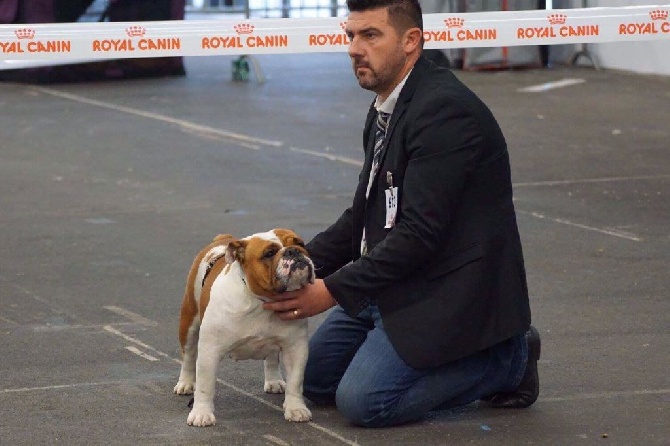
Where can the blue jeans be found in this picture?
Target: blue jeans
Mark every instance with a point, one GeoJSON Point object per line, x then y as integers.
{"type": "Point", "coordinates": [353, 364]}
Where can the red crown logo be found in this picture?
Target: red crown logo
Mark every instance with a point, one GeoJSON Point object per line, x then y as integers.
{"type": "Point", "coordinates": [25, 33]}
{"type": "Point", "coordinates": [557, 19]}
{"type": "Point", "coordinates": [244, 28]}
{"type": "Point", "coordinates": [454, 22]}
{"type": "Point", "coordinates": [659, 14]}
{"type": "Point", "coordinates": [136, 31]}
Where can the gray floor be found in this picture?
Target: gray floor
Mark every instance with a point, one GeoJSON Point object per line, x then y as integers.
{"type": "Point", "coordinates": [107, 191]}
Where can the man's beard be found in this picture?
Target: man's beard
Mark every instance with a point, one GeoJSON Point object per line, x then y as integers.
{"type": "Point", "coordinates": [377, 80]}
{"type": "Point", "coordinates": [368, 80]}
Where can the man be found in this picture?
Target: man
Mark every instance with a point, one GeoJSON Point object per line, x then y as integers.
{"type": "Point", "coordinates": [425, 269]}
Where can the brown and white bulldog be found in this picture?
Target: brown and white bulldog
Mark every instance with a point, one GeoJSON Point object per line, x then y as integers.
{"type": "Point", "coordinates": [222, 314]}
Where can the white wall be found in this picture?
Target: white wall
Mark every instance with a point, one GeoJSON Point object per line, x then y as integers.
{"type": "Point", "coordinates": [641, 57]}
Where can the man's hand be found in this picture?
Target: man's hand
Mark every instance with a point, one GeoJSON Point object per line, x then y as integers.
{"type": "Point", "coordinates": [305, 302]}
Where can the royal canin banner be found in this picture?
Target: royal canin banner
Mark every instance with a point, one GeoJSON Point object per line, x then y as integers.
{"type": "Point", "coordinates": [67, 42]}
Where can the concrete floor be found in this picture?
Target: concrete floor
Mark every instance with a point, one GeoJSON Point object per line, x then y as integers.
{"type": "Point", "coordinates": [108, 189]}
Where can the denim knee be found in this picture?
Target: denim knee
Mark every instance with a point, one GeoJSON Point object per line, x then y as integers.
{"type": "Point", "coordinates": [362, 410]}
{"type": "Point", "coordinates": [352, 405]}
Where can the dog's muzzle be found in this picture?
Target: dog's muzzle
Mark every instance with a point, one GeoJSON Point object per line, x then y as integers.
{"type": "Point", "coordinates": [294, 269]}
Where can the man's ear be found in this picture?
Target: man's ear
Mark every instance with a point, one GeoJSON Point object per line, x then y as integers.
{"type": "Point", "coordinates": [412, 40]}
{"type": "Point", "coordinates": [235, 251]}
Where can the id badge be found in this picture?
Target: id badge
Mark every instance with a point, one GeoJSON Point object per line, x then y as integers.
{"type": "Point", "coordinates": [391, 206]}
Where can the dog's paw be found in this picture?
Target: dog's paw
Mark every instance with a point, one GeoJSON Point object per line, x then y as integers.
{"type": "Point", "coordinates": [201, 418]}
{"type": "Point", "coordinates": [298, 413]}
{"type": "Point", "coordinates": [276, 386]}
{"type": "Point", "coordinates": [184, 388]}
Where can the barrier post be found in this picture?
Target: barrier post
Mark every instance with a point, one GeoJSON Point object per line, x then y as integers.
{"type": "Point", "coordinates": [583, 50]}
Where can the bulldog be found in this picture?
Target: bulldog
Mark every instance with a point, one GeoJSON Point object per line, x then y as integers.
{"type": "Point", "coordinates": [222, 315]}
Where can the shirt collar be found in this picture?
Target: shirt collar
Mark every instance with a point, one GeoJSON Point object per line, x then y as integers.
{"type": "Point", "coordinates": [389, 104]}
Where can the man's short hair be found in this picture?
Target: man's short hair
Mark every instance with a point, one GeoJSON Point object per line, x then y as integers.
{"type": "Point", "coordinates": [403, 14]}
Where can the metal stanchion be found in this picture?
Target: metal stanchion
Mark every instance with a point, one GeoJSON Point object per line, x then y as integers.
{"type": "Point", "coordinates": [240, 66]}
{"type": "Point", "coordinates": [582, 49]}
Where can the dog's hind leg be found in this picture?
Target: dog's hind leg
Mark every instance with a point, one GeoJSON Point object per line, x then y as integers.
{"type": "Point", "coordinates": [189, 328]}
{"type": "Point", "coordinates": [274, 382]}
{"type": "Point", "coordinates": [186, 383]}
{"type": "Point", "coordinates": [295, 359]}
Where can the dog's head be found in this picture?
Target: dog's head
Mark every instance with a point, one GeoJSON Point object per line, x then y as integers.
{"type": "Point", "coordinates": [273, 261]}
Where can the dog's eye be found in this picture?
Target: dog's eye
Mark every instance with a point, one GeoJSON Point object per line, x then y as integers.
{"type": "Point", "coordinates": [270, 253]}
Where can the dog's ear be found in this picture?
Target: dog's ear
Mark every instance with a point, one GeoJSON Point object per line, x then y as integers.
{"type": "Point", "coordinates": [289, 238]}
{"type": "Point", "coordinates": [235, 251]}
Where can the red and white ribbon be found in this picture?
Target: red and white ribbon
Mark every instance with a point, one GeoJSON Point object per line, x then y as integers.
{"type": "Point", "coordinates": [68, 42]}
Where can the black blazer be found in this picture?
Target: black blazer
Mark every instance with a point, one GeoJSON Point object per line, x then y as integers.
{"type": "Point", "coordinates": [449, 277]}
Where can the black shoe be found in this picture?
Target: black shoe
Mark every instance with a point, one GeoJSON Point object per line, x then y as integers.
{"type": "Point", "coordinates": [529, 388]}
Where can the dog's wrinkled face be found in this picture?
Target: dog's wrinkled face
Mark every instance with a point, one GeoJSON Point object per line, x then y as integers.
{"type": "Point", "coordinates": [273, 262]}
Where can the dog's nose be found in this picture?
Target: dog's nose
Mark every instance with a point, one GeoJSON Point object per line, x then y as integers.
{"type": "Point", "coordinates": [292, 252]}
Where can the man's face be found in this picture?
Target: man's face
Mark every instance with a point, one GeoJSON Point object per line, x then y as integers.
{"type": "Point", "coordinates": [376, 51]}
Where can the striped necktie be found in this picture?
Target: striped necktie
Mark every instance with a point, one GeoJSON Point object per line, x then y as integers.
{"type": "Point", "coordinates": [380, 135]}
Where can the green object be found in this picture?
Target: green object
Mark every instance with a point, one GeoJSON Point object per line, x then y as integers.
{"type": "Point", "coordinates": [241, 69]}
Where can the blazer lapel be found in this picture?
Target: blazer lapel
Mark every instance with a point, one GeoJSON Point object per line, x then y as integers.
{"type": "Point", "coordinates": [420, 67]}
{"type": "Point", "coordinates": [369, 138]}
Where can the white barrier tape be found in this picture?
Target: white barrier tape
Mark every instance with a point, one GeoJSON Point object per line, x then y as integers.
{"type": "Point", "coordinates": [65, 42]}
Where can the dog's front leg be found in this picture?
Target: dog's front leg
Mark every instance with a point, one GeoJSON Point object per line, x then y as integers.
{"type": "Point", "coordinates": [274, 383]}
{"type": "Point", "coordinates": [295, 359]}
{"type": "Point", "coordinates": [209, 354]}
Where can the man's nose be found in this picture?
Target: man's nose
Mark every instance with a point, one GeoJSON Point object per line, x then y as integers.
{"type": "Point", "coordinates": [354, 47]}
